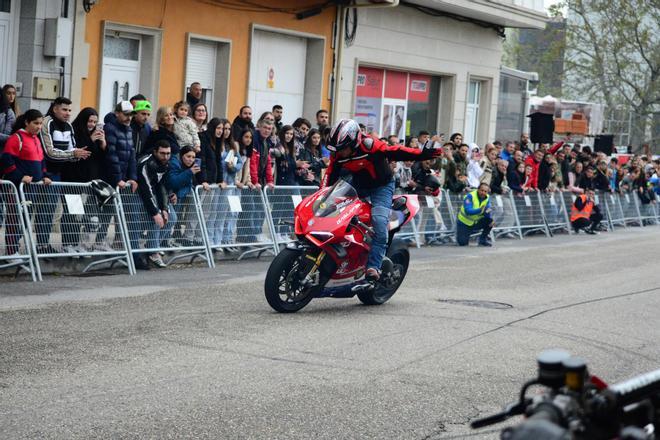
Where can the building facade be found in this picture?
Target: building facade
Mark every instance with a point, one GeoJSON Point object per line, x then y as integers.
{"type": "Point", "coordinates": [430, 65]}
{"type": "Point", "coordinates": [113, 49]}
{"type": "Point", "coordinates": [419, 64]}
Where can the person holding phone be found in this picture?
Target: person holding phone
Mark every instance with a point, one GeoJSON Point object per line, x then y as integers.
{"type": "Point", "coordinates": [180, 182]}
{"type": "Point", "coordinates": [88, 133]}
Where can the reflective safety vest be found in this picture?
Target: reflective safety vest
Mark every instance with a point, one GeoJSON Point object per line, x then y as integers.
{"type": "Point", "coordinates": [585, 212]}
{"type": "Point", "coordinates": [470, 220]}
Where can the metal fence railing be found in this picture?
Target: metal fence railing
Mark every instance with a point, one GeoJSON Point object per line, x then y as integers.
{"type": "Point", "coordinates": [16, 248]}
{"type": "Point", "coordinates": [280, 203]}
{"type": "Point", "coordinates": [40, 222]}
{"type": "Point", "coordinates": [68, 220]}
{"type": "Point", "coordinates": [555, 212]}
{"type": "Point", "coordinates": [237, 219]}
{"type": "Point", "coordinates": [631, 215]}
{"type": "Point", "coordinates": [614, 210]}
{"type": "Point", "coordinates": [505, 216]}
{"type": "Point", "coordinates": [145, 237]}
{"type": "Point", "coordinates": [434, 224]}
{"type": "Point", "coordinates": [648, 212]}
{"type": "Point", "coordinates": [530, 213]}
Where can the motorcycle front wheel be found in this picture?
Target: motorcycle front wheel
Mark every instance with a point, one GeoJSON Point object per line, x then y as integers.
{"type": "Point", "coordinates": [283, 287]}
{"type": "Point", "coordinates": [389, 284]}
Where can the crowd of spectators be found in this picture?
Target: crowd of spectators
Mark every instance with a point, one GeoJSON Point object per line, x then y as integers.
{"type": "Point", "coordinates": [185, 146]}
{"type": "Point", "coordinates": [519, 167]}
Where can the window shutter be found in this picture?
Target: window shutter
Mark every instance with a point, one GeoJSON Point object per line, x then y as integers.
{"type": "Point", "coordinates": [200, 65]}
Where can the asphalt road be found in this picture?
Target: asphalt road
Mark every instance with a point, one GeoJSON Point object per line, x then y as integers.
{"type": "Point", "coordinates": [197, 353]}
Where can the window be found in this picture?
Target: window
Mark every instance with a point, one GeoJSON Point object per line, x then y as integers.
{"type": "Point", "coordinates": [5, 6]}
{"type": "Point", "coordinates": [121, 48]}
{"type": "Point", "coordinates": [200, 67]}
{"type": "Point", "coordinates": [511, 107]}
{"type": "Point", "coordinates": [472, 112]}
{"type": "Point", "coordinates": [207, 62]}
{"type": "Point", "coordinates": [394, 102]}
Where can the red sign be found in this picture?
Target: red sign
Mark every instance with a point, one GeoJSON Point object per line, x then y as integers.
{"type": "Point", "coordinates": [395, 84]}
{"type": "Point", "coordinates": [369, 82]}
{"type": "Point", "coordinates": [419, 88]}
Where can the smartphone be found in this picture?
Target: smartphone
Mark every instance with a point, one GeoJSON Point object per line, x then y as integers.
{"type": "Point", "coordinates": [99, 126]}
{"type": "Point", "coordinates": [198, 163]}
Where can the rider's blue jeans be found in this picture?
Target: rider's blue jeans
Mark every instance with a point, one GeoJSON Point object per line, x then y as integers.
{"type": "Point", "coordinates": [381, 204]}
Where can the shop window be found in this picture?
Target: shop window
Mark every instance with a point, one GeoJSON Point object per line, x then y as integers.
{"type": "Point", "coordinates": [394, 102]}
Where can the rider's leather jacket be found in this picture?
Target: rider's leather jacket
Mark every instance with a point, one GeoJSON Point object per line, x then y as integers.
{"type": "Point", "coordinates": [369, 164]}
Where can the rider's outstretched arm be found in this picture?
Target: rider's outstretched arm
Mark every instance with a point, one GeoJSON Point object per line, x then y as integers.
{"type": "Point", "coordinates": [399, 152]}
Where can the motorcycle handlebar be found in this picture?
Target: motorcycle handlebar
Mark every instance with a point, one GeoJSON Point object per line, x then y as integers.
{"type": "Point", "coordinates": [637, 388]}
{"type": "Point", "coordinates": [513, 409]}
{"type": "Point", "coordinates": [489, 420]}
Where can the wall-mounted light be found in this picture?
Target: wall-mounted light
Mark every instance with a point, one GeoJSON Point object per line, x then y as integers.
{"type": "Point", "coordinates": [87, 5]}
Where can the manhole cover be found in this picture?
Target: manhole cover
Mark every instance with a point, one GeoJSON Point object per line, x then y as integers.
{"type": "Point", "coordinates": [477, 303]}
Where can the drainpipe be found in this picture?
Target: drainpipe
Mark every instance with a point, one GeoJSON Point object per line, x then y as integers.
{"type": "Point", "coordinates": [339, 48]}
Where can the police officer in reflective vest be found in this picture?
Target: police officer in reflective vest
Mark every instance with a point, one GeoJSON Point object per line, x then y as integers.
{"type": "Point", "coordinates": [585, 215]}
{"type": "Point", "coordinates": [474, 216]}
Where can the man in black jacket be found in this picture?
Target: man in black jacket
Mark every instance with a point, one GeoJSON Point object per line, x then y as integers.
{"type": "Point", "coordinates": [140, 126]}
{"type": "Point", "coordinates": [155, 215]}
{"type": "Point", "coordinates": [601, 181]}
{"type": "Point", "coordinates": [241, 122]}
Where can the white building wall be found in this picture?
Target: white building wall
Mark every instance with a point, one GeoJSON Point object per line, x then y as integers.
{"type": "Point", "coordinates": [405, 39]}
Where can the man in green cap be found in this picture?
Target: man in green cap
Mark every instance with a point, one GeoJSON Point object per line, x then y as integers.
{"type": "Point", "coordinates": [140, 125]}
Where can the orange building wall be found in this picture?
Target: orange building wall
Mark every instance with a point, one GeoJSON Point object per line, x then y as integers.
{"type": "Point", "coordinates": [177, 18]}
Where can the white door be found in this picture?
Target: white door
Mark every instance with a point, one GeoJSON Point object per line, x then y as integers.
{"type": "Point", "coordinates": [121, 71]}
{"type": "Point", "coordinates": [277, 74]}
{"type": "Point", "coordinates": [7, 41]}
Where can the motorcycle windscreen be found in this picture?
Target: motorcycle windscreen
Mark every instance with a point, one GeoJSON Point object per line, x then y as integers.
{"type": "Point", "coordinates": [334, 201]}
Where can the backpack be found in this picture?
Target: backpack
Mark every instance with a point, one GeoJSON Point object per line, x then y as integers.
{"type": "Point", "coordinates": [20, 141]}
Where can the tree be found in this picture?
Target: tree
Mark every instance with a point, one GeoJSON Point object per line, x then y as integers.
{"type": "Point", "coordinates": [540, 51]}
{"type": "Point", "coordinates": [613, 56]}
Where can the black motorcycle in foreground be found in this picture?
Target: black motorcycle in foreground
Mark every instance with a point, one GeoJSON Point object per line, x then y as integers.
{"type": "Point", "coordinates": [578, 405]}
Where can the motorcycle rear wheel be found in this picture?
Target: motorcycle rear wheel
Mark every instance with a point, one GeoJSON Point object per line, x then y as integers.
{"type": "Point", "coordinates": [281, 287]}
{"type": "Point", "coordinates": [383, 291]}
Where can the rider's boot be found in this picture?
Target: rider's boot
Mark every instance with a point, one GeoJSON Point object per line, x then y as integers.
{"type": "Point", "coordinates": [371, 277]}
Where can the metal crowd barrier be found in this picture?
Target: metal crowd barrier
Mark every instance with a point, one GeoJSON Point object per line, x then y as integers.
{"type": "Point", "coordinates": [530, 213]}
{"type": "Point", "coordinates": [281, 201]}
{"type": "Point", "coordinates": [434, 223]}
{"type": "Point", "coordinates": [505, 216]}
{"type": "Point", "coordinates": [16, 248]}
{"type": "Point", "coordinates": [67, 220]}
{"type": "Point", "coordinates": [145, 237]}
{"type": "Point", "coordinates": [555, 212]}
{"type": "Point", "coordinates": [614, 210]}
{"type": "Point", "coordinates": [630, 209]}
{"type": "Point", "coordinates": [236, 219]}
{"type": "Point", "coordinates": [648, 213]}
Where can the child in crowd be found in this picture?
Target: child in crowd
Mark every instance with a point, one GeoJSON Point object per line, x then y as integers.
{"type": "Point", "coordinates": [185, 128]}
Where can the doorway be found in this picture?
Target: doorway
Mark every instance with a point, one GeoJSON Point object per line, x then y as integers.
{"type": "Point", "coordinates": [121, 71]}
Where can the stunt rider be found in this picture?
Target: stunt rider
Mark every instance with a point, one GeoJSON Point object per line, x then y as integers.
{"type": "Point", "coordinates": [366, 158]}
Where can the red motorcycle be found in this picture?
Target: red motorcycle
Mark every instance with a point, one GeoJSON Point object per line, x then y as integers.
{"type": "Point", "coordinates": [329, 257]}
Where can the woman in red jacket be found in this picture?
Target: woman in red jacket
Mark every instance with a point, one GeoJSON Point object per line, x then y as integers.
{"type": "Point", "coordinates": [22, 161]}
